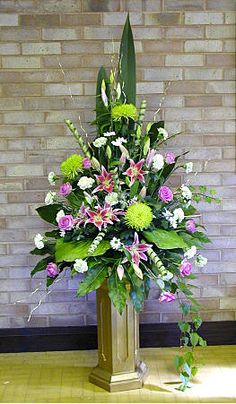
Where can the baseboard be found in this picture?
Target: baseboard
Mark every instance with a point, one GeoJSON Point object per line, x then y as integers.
{"type": "Point", "coordinates": [79, 338]}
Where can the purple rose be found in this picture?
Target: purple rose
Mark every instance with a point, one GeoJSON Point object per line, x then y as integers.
{"type": "Point", "coordinates": [87, 163]}
{"type": "Point", "coordinates": [65, 189]}
{"type": "Point", "coordinates": [167, 297]}
{"type": "Point", "coordinates": [66, 222]}
{"type": "Point", "coordinates": [52, 270]}
{"type": "Point", "coordinates": [190, 226]}
{"type": "Point", "coordinates": [165, 194]}
{"type": "Point", "coordinates": [170, 158]}
{"type": "Point", "coordinates": [185, 268]}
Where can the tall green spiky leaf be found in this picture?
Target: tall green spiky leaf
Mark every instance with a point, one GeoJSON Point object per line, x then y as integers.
{"type": "Point", "coordinates": [102, 113]}
{"type": "Point", "coordinates": [127, 64]}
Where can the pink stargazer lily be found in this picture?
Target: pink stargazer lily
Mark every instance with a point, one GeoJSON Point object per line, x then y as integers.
{"type": "Point", "coordinates": [106, 183]}
{"type": "Point", "coordinates": [135, 171]}
{"type": "Point", "coordinates": [101, 217]}
{"type": "Point", "coordinates": [137, 250]}
{"type": "Point", "coordinates": [113, 213]}
{"type": "Point", "coordinates": [82, 215]}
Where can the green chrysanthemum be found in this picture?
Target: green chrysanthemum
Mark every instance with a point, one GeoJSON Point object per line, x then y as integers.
{"type": "Point", "coordinates": [138, 216]}
{"type": "Point", "coordinates": [71, 166]}
{"type": "Point", "coordinates": [124, 110]}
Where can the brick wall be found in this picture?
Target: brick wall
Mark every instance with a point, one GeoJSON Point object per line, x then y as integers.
{"type": "Point", "coordinates": [190, 44]}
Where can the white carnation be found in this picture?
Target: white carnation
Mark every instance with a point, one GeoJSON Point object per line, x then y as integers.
{"type": "Point", "coordinates": [163, 132]}
{"type": "Point", "coordinates": [59, 215]}
{"type": "Point", "coordinates": [158, 162]}
{"type": "Point", "coordinates": [80, 266]}
{"type": "Point", "coordinates": [189, 167]}
{"type": "Point", "coordinates": [173, 222]}
{"type": "Point", "coordinates": [191, 252]}
{"type": "Point", "coordinates": [200, 261]}
{"type": "Point", "coordinates": [52, 178]}
{"type": "Point", "coordinates": [186, 193]}
{"type": "Point", "coordinates": [115, 243]}
{"type": "Point", "coordinates": [100, 141]}
{"type": "Point", "coordinates": [112, 198]}
{"type": "Point", "coordinates": [85, 182]}
{"type": "Point", "coordinates": [38, 241]}
{"type": "Point", "coordinates": [50, 197]}
{"type": "Point", "coordinates": [179, 215]}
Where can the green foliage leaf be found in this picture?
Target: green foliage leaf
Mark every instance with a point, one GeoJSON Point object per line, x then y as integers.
{"type": "Point", "coordinates": [165, 239]}
{"type": "Point", "coordinates": [134, 189]}
{"type": "Point", "coordinates": [47, 249]}
{"type": "Point", "coordinates": [49, 212]}
{"type": "Point", "coordinates": [74, 200]}
{"type": "Point", "coordinates": [178, 361]}
{"type": "Point", "coordinates": [117, 291]}
{"type": "Point", "coordinates": [72, 250]}
{"type": "Point", "coordinates": [41, 265]}
{"type": "Point", "coordinates": [184, 326]}
{"type": "Point", "coordinates": [194, 371]}
{"type": "Point", "coordinates": [190, 240]}
{"type": "Point", "coordinates": [194, 338]}
{"type": "Point", "coordinates": [102, 114]}
{"type": "Point", "coordinates": [93, 279]}
{"type": "Point", "coordinates": [127, 64]}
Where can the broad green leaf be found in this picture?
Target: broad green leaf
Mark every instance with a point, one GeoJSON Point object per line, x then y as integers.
{"type": "Point", "coordinates": [165, 239]}
{"type": "Point", "coordinates": [190, 240]}
{"type": "Point", "coordinates": [47, 249]}
{"type": "Point", "coordinates": [49, 212]}
{"type": "Point", "coordinates": [184, 327]}
{"type": "Point", "coordinates": [93, 279]}
{"type": "Point", "coordinates": [72, 250]}
{"type": "Point", "coordinates": [127, 64]}
{"type": "Point", "coordinates": [41, 265]}
{"type": "Point", "coordinates": [117, 291]}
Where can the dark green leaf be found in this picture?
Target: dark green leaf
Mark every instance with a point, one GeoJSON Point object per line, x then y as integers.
{"type": "Point", "coordinates": [93, 279]}
{"type": "Point", "coordinates": [41, 265]}
{"type": "Point", "coordinates": [134, 189]}
{"type": "Point", "coordinates": [74, 200]}
{"type": "Point", "coordinates": [49, 212]}
{"type": "Point", "coordinates": [127, 65]}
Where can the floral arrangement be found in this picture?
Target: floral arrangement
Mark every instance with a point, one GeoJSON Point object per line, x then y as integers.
{"type": "Point", "coordinates": [115, 216]}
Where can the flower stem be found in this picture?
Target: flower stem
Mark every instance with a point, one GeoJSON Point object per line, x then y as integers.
{"type": "Point", "coordinates": [78, 138]}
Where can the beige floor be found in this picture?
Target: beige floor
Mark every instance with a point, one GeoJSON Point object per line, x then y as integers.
{"type": "Point", "coordinates": [63, 377]}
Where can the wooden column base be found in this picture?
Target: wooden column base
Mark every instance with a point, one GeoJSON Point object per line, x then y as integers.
{"type": "Point", "coordinates": [119, 382]}
{"type": "Point", "coordinates": [119, 367]}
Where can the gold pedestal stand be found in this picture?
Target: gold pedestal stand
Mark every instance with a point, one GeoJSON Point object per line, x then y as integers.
{"type": "Point", "coordinates": [119, 367]}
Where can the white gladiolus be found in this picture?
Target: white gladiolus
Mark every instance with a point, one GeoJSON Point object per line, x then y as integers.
{"type": "Point", "coordinates": [80, 266]}
{"type": "Point", "coordinates": [100, 141]}
{"type": "Point", "coordinates": [52, 178]}
{"type": "Point", "coordinates": [186, 193]}
{"type": "Point", "coordinates": [85, 182]}
{"type": "Point", "coordinates": [158, 162]}
{"type": "Point", "coordinates": [108, 134]}
{"type": "Point", "coordinates": [163, 132]}
{"type": "Point", "coordinates": [50, 197]}
{"type": "Point", "coordinates": [191, 252]}
{"type": "Point", "coordinates": [38, 241]}
{"type": "Point", "coordinates": [112, 198]}
{"type": "Point", "coordinates": [188, 167]}
{"type": "Point", "coordinates": [59, 215]}
{"type": "Point", "coordinates": [115, 243]}
{"type": "Point", "coordinates": [200, 261]}
{"type": "Point", "coordinates": [178, 214]}
{"type": "Point", "coordinates": [118, 142]}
